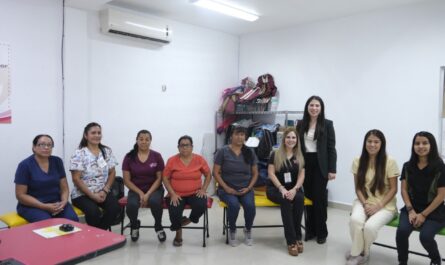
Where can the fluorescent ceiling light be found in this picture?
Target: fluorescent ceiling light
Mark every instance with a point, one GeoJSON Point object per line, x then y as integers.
{"type": "Point", "coordinates": [226, 9]}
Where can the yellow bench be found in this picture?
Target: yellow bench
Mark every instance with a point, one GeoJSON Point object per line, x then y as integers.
{"type": "Point", "coordinates": [13, 219]}
{"type": "Point", "coordinates": [260, 201]}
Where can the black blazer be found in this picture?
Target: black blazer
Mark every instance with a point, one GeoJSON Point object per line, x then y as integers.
{"type": "Point", "coordinates": [326, 153]}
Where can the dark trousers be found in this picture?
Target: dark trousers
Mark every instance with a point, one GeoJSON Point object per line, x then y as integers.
{"type": "Point", "coordinates": [155, 202]}
{"type": "Point", "coordinates": [428, 231]}
{"type": "Point", "coordinates": [100, 215]}
{"type": "Point", "coordinates": [32, 214]}
{"type": "Point", "coordinates": [291, 213]}
{"type": "Point", "coordinates": [315, 189]}
{"type": "Point", "coordinates": [198, 207]}
{"type": "Point", "coordinates": [233, 203]}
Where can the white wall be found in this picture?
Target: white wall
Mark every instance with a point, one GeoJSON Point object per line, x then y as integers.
{"type": "Point", "coordinates": [117, 83]}
{"type": "Point", "coordinates": [375, 70]}
{"type": "Point", "coordinates": [33, 31]}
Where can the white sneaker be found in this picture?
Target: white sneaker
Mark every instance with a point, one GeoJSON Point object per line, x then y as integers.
{"type": "Point", "coordinates": [232, 239]}
{"type": "Point", "coordinates": [355, 260]}
{"type": "Point", "coordinates": [248, 237]}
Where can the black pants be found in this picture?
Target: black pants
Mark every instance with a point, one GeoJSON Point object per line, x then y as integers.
{"type": "Point", "coordinates": [197, 205]}
{"type": "Point", "coordinates": [101, 215]}
{"type": "Point", "coordinates": [155, 202]}
{"type": "Point", "coordinates": [428, 231]}
{"type": "Point", "coordinates": [315, 189]}
{"type": "Point", "coordinates": [291, 213]}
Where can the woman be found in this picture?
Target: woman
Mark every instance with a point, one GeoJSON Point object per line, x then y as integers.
{"type": "Point", "coordinates": [423, 191]}
{"type": "Point", "coordinates": [182, 179]}
{"type": "Point", "coordinates": [375, 178]}
{"type": "Point", "coordinates": [235, 169]}
{"type": "Point", "coordinates": [142, 171]}
{"type": "Point", "coordinates": [320, 156]}
{"type": "Point", "coordinates": [93, 171]}
{"type": "Point", "coordinates": [40, 184]}
{"type": "Point", "coordinates": [286, 174]}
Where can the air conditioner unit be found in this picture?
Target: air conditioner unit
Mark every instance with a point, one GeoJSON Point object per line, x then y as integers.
{"type": "Point", "coordinates": [114, 21]}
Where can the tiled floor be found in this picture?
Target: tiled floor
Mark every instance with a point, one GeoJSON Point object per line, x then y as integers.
{"type": "Point", "coordinates": [269, 245]}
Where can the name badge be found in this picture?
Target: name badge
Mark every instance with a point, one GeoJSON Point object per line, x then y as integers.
{"type": "Point", "coordinates": [101, 162]}
{"type": "Point", "coordinates": [287, 177]}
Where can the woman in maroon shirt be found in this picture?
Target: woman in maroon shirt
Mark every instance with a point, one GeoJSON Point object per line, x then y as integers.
{"type": "Point", "coordinates": [142, 170]}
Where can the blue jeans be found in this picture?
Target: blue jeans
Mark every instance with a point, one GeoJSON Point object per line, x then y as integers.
{"type": "Point", "coordinates": [428, 231]}
{"type": "Point", "coordinates": [233, 206]}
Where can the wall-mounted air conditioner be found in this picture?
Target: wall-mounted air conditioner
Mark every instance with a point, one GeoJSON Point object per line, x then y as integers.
{"type": "Point", "coordinates": [119, 22]}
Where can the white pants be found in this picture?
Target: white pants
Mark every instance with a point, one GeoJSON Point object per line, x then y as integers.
{"type": "Point", "coordinates": [364, 230]}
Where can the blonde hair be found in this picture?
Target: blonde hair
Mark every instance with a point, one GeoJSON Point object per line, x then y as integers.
{"type": "Point", "coordinates": [281, 156]}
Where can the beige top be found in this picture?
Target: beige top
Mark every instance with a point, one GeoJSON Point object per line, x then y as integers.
{"type": "Point", "coordinates": [392, 171]}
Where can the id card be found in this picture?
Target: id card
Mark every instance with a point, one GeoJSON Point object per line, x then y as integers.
{"type": "Point", "coordinates": [101, 162]}
{"type": "Point", "coordinates": [287, 177]}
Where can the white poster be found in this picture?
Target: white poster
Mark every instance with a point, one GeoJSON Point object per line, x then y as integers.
{"type": "Point", "coordinates": [5, 82]}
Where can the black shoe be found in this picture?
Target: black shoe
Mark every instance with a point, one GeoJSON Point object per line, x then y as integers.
{"type": "Point", "coordinates": [134, 233]}
{"type": "Point", "coordinates": [161, 235]}
{"type": "Point", "coordinates": [308, 237]}
{"type": "Point", "coordinates": [321, 240]}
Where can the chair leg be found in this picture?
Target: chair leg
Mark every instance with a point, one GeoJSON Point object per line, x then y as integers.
{"type": "Point", "coordinates": [204, 229]}
{"type": "Point", "coordinates": [122, 219]}
{"type": "Point", "coordinates": [226, 225]}
{"type": "Point", "coordinates": [207, 223]}
{"type": "Point", "coordinates": [224, 221]}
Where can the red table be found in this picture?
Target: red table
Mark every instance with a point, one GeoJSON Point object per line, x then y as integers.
{"type": "Point", "coordinates": [22, 244]}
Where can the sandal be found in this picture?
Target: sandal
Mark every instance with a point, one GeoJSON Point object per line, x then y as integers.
{"type": "Point", "coordinates": [177, 242]}
{"type": "Point", "coordinates": [293, 250]}
{"type": "Point", "coordinates": [161, 235]}
{"type": "Point", "coordinates": [300, 246]}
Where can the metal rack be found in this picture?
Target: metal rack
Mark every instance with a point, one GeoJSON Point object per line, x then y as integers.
{"type": "Point", "coordinates": [219, 117]}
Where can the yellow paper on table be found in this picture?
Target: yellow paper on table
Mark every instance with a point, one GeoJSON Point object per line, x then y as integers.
{"type": "Point", "coordinates": [54, 231]}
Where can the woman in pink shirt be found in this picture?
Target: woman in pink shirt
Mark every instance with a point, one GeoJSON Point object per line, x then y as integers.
{"type": "Point", "coordinates": [182, 178]}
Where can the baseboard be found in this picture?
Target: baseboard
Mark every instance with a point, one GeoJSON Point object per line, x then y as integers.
{"type": "Point", "coordinates": [340, 205]}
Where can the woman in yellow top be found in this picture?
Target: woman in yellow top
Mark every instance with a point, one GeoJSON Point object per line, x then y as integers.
{"type": "Point", "coordinates": [375, 178]}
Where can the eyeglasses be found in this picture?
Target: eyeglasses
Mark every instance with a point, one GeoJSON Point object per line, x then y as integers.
{"type": "Point", "coordinates": [44, 145]}
{"type": "Point", "coordinates": [185, 145]}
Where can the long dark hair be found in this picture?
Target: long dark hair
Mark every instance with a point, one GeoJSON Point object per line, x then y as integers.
{"type": "Point", "coordinates": [245, 151]}
{"type": "Point", "coordinates": [434, 158]}
{"type": "Point", "coordinates": [133, 152]}
{"type": "Point", "coordinates": [303, 126]}
{"type": "Point", "coordinates": [83, 143]}
{"type": "Point", "coordinates": [379, 165]}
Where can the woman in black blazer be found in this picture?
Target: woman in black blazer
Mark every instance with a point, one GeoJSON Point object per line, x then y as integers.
{"type": "Point", "coordinates": [318, 145]}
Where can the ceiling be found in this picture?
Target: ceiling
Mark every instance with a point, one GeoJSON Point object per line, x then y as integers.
{"type": "Point", "coordinates": [274, 14]}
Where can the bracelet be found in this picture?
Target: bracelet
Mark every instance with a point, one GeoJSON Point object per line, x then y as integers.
{"type": "Point", "coordinates": [422, 214]}
{"type": "Point", "coordinates": [409, 208]}
{"type": "Point", "coordinates": [104, 190]}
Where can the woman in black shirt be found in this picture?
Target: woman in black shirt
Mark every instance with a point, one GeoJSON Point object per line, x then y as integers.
{"type": "Point", "coordinates": [286, 174]}
{"type": "Point", "coordinates": [423, 191]}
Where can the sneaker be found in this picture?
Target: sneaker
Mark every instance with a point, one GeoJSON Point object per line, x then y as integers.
{"type": "Point", "coordinates": [161, 235]}
{"type": "Point", "coordinates": [355, 260]}
{"type": "Point", "coordinates": [232, 239]}
{"type": "Point", "coordinates": [248, 237]}
{"type": "Point", "coordinates": [135, 231]}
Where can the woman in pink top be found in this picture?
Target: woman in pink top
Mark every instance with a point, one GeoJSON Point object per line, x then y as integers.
{"type": "Point", "coordinates": [182, 178]}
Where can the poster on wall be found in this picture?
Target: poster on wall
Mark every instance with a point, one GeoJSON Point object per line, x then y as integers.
{"type": "Point", "coordinates": [5, 88]}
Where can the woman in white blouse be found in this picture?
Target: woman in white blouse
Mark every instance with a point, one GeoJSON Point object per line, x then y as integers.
{"type": "Point", "coordinates": [92, 167]}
